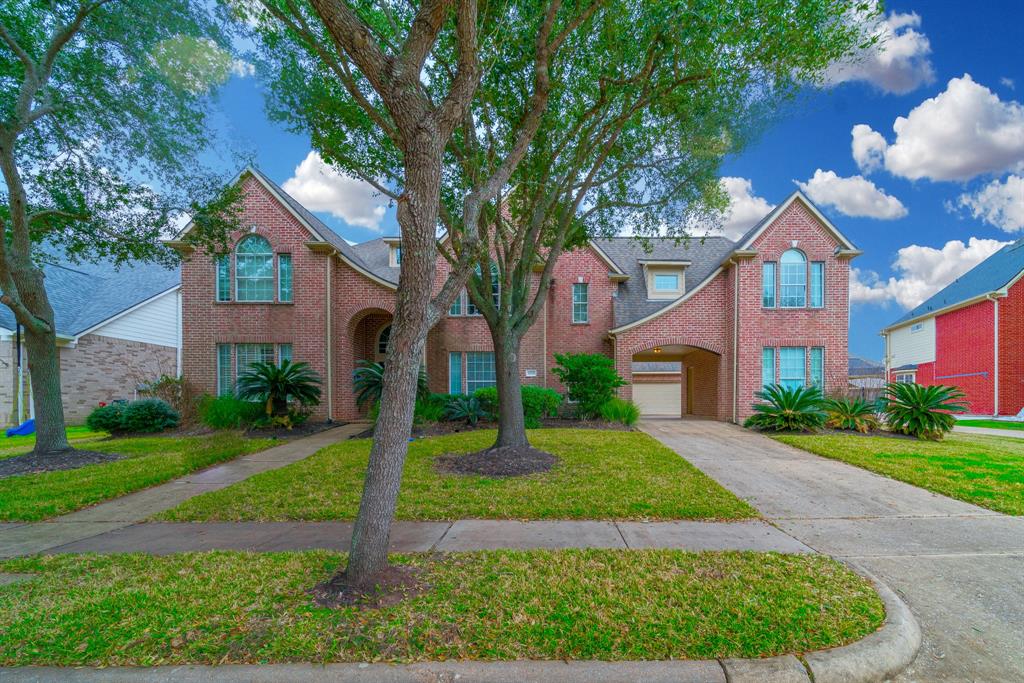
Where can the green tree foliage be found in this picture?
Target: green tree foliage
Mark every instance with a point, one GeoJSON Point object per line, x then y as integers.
{"type": "Point", "coordinates": [103, 114]}
{"type": "Point", "coordinates": [277, 386]}
{"type": "Point", "coordinates": [787, 409]}
{"type": "Point", "coordinates": [853, 414]}
{"type": "Point", "coordinates": [924, 412]}
{"type": "Point", "coordinates": [590, 380]}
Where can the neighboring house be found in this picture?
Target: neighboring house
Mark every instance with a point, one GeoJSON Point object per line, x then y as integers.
{"type": "Point", "coordinates": [864, 367]}
{"type": "Point", "coordinates": [970, 335]}
{"type": "Point", "coordinates": [116, 327]}
{"type": "Point", "coordinates": [720, 318]}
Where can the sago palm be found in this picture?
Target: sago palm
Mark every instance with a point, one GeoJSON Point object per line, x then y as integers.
{"type": "Point", "coordinates": [278, 385]}
{"type": "Point", "coordinates": [924, 412]}
{"type": "Point", "coordinates": [787, 409]}
{"type": "Point", "coordinates": [855, 414]}
{"type": "Point", "coordinates": [368, 382]}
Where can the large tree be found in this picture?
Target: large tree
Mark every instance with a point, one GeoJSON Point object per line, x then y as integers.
{"type": "Point", "coordinates": [638, 123]}
{"type": "Point", "coordinates": [381, 87]}
{"type": "Point", "coordinates": [102, 115]}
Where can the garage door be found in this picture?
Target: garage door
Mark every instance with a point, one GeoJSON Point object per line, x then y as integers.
{"type": "Point", "coordinates": [661, 399]}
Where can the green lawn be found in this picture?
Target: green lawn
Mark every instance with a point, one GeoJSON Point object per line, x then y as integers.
{"type": "Point", "coordinates": [984, 470]}
{"type": "Point", "coordinates": [148, 461]}
{"type": "Point", "coordinates": [232, 607]}
{"type": "Point", "coordinates": [602, 475]}
{"type": "Point", "coordinates": [991, 424]}
{"type": "Point", "coordinates": [17, 445]}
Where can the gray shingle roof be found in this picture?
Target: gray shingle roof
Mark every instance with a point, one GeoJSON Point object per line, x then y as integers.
{"type": "Point", "coordinates": [376, 254]}
{"type": "Point", "coordinates": [632, 303]}
{"type": "Point", "coordinates": [87, 294]}
{"type": "Point", "coordinates": [988, 276]}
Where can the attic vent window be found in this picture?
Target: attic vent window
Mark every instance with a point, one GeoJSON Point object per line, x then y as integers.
{"type": "Point", "coordinates": [916, 327]}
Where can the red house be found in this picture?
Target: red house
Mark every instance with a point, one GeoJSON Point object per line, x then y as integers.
{"type": "Point", "coordinates": [704, 325]}
{"type": "Point", "coordinates": [970, 335]}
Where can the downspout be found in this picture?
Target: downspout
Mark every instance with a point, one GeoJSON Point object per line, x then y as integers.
{"type": "Point", "coordinates": [179, 332]}
{"type": "Point", "coordinates": [995, 355]}
{"type": "Point", "coordinates": [735, 340]}
{"type": "Point", "coordinates": [329, 261]}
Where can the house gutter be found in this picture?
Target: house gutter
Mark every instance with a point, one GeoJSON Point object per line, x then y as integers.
{"type": "Point", "coordinates": [327, 337]}
{"type": "Point", "coordinates": [735, 339]}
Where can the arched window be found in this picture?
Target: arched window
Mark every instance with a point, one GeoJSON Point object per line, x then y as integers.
{"type": "Point", "coordinates": [382, 341]}
{"type": "Point", "coordinates": [793, 283]}
{"type": "Point", "coordinates": [254, 270]}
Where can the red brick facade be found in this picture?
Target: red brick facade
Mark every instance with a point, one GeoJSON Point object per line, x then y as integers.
{"type": "Point", "coordinates": [356, 307]}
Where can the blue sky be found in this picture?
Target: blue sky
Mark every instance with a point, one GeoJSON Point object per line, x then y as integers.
{"type": "Point", "coordinates": [924, 204]}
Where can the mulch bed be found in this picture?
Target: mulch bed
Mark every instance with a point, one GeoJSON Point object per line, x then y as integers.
{"type": "Point", "coordinates": [507, 461]}
{"type": "Point", "coordinates": [389, 587]}
{"type": "Point", "coordinates": [31, 463]}
{"type": "Point", "coordinates": [445, 428]}
{"type": "Point", "coordinates": [305, 429]}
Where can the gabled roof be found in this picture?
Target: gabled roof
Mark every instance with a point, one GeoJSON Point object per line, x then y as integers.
{"type": "Point", "coordinates": [86, 295]}
{"type": "Point", "coordinates": [748, 238]}
{"type": "Point", "coordinates": [993, 276]}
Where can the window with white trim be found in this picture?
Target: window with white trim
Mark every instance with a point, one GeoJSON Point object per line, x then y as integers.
{"type": "Point", "coordinates": [792, 366]}
{"type": "Point", "coordinates": [382, 340]}
{"type": "Point", "coordinates": [767, 366]}
{"type": "Point", "coordinates": [768, 284]}
{"type": "Point", "coordinates": [905, 378]}
{"type": "Point", "coordinates": [818, 367]}
{"type": "Point", "coordinates": [817, 284]}
{"type": "Point", "coordinates": [225, 378]}
{"type": "Point", "coordinates": [223, 278]}
{"type": "Point", "coordinates": [580, 302]}
{"type": "Point", "coordinates": [249, 354]}
{"type": "Point", "coordinates": [793, 284]}
{"type": "Point", "coordinates": [254, 270]}
{"type": "Point", "coordinates": [480, 370]}
{"type": "Point", "coordinates": [455, 372]}
{"type": "Point", "coordinates": [666, 282]}
{"type": "Point", "coordinates": [284, 278]}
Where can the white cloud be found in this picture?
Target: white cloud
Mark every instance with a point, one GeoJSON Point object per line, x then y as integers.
{"type": "Point", "coordinates": [999, 203]}
{"type": "Point", "coordinates": [897, 63]}
{"type": "Point", "coordinates": [868, 148]}
{"type": "Point", "coordinates": [745, 208]}
{"type": "Point", "coordinates": [1008, 82]}
{"type": "Point", "coordinates": [242, 68]}
{"type": "Point", "coordinates": [321, 188]}
{"type": "Point", "coordinates": [854, 196]}
{"type": "Point", "coordinates": [962, 132]}
{"type": "Point", "coordinates": [921, 272]}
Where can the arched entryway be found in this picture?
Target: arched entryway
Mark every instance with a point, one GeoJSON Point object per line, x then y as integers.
{"type": "Point", "coordinates": [676, 380]}
{"type": "Point", "coordinates": [370, 334]}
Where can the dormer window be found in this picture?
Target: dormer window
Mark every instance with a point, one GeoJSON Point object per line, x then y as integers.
{"type": "Point", "coordinates": [394, 251]}
{"type": "Point", "coordinates": [665, 279]}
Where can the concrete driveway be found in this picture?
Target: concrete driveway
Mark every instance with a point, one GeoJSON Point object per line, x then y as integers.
{"type": "Point", "coordinates": [958, 566]}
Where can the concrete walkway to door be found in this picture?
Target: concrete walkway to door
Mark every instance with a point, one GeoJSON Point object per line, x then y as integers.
{"type": "Point", "coordinates": [958, 566]}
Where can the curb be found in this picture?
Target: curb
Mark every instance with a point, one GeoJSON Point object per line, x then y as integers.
{"type": "Point", "coordinates": [876, 657]}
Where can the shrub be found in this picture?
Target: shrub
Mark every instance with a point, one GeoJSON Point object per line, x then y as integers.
{"type": "Point", "coordinates": [179, 393]}
{"type": "Point", "coordinates": [276, 386]}
{"type": "Point", "coordinates": [106, 418]}
{"type": "Point", "coordinates": [538, 403]}
{"type": "Point", "coordinates": [228, 412]}
{"type": "Point", "coordinates": [464, 408]}
{"type": "Point", "coordinates": [488, 398]}
{"type": "Point", "coordinates": [854, 414]}
{"type": "Point", "coordinates": [620, 410]}
{"type": "Point", "coordinates": [787, 409]}
{"type": "Point", "coordinates": [590, 380]}
{"type": "Point", "coordinates": [924, 412]}
{"type": "Point", "coordinates": [429, 408]}
{"type": "Point", "coordinates": [148, 415]}
{"type": "Point", "coordinates": [368, 382]}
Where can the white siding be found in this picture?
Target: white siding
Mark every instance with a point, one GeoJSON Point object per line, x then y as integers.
{"type": "Point", "coordinates": [155, 322]}
{"type": "Point", "coordinates": [907, 346]}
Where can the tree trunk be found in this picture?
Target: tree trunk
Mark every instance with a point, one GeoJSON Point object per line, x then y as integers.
{"type": "Point", "coordinates": [418, 217]}
{"type": "Point", "coordinates": [44, 369]}
{"type": "Point", "coordinates": [511, 420]}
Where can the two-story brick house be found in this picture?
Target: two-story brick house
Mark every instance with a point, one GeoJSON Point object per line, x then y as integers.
{"type": "Point", "coordinates": [714, 319]}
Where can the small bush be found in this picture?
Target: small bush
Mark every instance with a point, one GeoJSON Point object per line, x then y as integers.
{"type": "Point", "coordinates": [787, 409]}
{"type": "Point", "coordinates": [924, 412]}
{"type": "Point", "coordinates": [228, 412]}
{"type": "Point", "coordinates": [590, 380]}
{"type": "Point", "coordinates": [488, 398]}
{"type": "Point", "coordinates": [179, 393]}
{"type": "Point", "coordinates": [538, 403]}
{"type": "Point", "coordinates": [853, 414]}
{"type": "Point", "coordinates": [429, 408]}
{"type": "Point", "coordinates": [148, 415]}
{"type": "Point", "coordinates": [620, 410]}
{"type": "Point", "coordinates": [106, 418]}
{"type": "Point", "coordinates": [465, 409]}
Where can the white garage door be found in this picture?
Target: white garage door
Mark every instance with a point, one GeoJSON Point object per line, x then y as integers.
{"type": "Point", "coordinates": [662, 399]}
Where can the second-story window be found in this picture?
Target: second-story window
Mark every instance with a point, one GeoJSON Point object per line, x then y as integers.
{"type": "Point", "coordinates": [768, 284]}
{"type": "Point", "coordinates": [817, 284]}
{"type": "Point", "coordinates": [580, 303]}
{"type": "Point", "coordinates": [793, 286]}
{"type": "Point", "coordinates": [284, 278]}
{"type": "Point", "coordinates": [254, 270]}
{"type": "Point", "coordinates": [223, 278]}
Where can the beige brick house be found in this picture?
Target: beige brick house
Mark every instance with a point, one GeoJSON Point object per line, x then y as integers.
{"type": "Point", "coordinates": [116, 327]}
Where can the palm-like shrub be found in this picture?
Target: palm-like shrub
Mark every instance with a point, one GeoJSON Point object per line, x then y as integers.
{"type": "Point", "coordinates": [854, 414]}
{"type": "Point", "coordinates": [368, 382]}
{"type": "Point", "coordinates": [787, 409]}
{"type": "Point", "coordinates": [278, 385]}
{"type": "Point", "coordinates": [924, 412]}
{"type": "Point", "coordinates": [465, 409]}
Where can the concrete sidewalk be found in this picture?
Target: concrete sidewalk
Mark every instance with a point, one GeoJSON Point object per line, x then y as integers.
{"type": "Point", "coordinates": [30, 538]}
{"type": "Point", "coordinates": [959, 567]}
{"type": "Point", "coordinates": [990, 431]}
{"type": "Point", "coordinates": [162, 538]}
